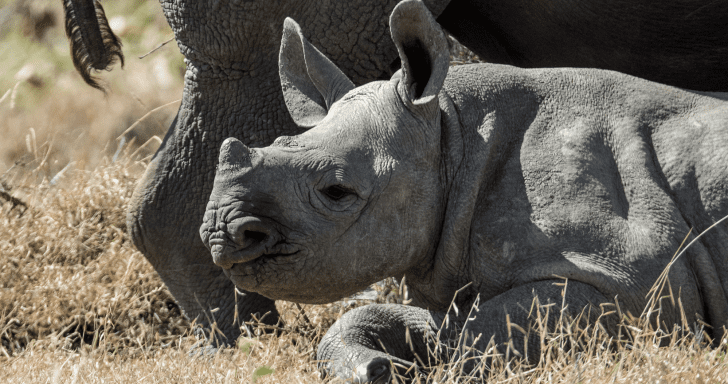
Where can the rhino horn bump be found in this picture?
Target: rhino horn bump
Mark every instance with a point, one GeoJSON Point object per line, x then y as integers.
{"type": "Point", "coordinates": [234, 155]}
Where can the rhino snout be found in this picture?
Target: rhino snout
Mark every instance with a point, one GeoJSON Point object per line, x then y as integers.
{"type": "Point", "coordinates": [241, 240]}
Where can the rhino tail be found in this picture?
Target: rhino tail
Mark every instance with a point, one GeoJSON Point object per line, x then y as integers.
{"type": "Point", "coordinates": [93, 44]}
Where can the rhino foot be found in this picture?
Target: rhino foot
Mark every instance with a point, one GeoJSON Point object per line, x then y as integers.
{"type": "Point", "coordinates": [379, 370]}
{"type": "Point", "coordinates": [374, 371]}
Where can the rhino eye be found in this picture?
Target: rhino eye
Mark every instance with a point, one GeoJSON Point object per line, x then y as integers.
{"type": "Point", "coordinates": [336, 192]}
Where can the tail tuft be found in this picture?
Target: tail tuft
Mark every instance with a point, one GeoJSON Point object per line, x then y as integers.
{"type": "Point", "coordinates": [94, 47]}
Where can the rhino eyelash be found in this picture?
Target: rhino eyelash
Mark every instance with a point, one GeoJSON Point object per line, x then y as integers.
{"type": "Point", "coordinates": [336, 192]}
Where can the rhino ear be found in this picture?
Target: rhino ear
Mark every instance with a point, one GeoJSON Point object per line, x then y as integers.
{"type": "Point", "coordinates": [422, 48]}
{"type": "Point", "coordinates": [311, 83]}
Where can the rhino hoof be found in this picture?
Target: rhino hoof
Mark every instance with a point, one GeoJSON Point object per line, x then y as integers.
{"type": "Point", "coordinates": [375, 371]}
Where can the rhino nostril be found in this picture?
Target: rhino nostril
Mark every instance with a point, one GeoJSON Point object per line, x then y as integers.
{"type": "Point", "coordinates": [249, 233]}
{"type": "Point", "coordinates": [255, 237]}
{"type": "Point", "coordinates": [243, 239]}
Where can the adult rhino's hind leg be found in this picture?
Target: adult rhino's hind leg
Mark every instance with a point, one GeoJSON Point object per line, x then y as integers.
{"type": "Point", "coordinates": [168, 239]}
{"type": "Point", "coordinates": [213, 301]}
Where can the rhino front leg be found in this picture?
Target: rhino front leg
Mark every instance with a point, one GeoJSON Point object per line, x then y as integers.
{"type": "Point", "coordinates": [367, 342]}
{"type": "Point", "coordinates": [364, 343]}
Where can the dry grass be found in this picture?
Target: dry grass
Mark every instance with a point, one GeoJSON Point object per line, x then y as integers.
{"type": "Point", "coordinates": [69, 269]}
{"type": "Point", "coordinates": [44, 100]}
{"type": "Point", "coordinates": [78, 304]}
{"type": "Point", "coordinates": [576, 350]}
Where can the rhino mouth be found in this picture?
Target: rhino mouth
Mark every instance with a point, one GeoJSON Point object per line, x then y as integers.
{"type": "Point", "coordinates": [250, 274]}
{"type": "Point", "coordinates": [253, 250]}
{"type": "Point", "coordinates": [249, 248]}
{"type": "Point", "coordinates": [220, 247]}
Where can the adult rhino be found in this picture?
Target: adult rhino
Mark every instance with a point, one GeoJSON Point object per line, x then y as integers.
{"type": "Point", "coordinates": [232, 89]}
{"type": "Point", "coordinates": [506, 179]}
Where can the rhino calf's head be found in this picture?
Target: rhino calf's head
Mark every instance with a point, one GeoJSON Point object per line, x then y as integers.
{"type": "Point", "coordinates": [356, 198]}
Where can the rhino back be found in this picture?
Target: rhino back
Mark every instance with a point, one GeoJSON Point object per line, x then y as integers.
{"type": "Point", "coordinates": [597, 177]}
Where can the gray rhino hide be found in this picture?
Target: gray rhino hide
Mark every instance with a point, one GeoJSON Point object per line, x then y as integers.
{"type": "Point", "coordinates": [506, 179]}
{"type": "Point", "coordinates": [232, 89]}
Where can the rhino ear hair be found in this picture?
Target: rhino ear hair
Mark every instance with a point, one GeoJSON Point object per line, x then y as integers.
{"type": "Point", "coordinates": [311, 83]}
{"type": "Point", "coordinates": [423, 50]}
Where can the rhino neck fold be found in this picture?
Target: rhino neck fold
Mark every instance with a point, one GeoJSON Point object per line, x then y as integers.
{"type": "Point", "coordinates": [478, 137]}
{"type": "Point", "coordinates": [435, 286]}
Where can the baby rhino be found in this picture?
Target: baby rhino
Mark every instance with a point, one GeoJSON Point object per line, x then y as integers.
{"type": "Point", "coordinates": [505, 181]}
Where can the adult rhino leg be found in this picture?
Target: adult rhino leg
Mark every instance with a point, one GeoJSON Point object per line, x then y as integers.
{"type": "Point", "coordinates": [163, 216]}
{"type": "Point", "coordinates": [367, 342]}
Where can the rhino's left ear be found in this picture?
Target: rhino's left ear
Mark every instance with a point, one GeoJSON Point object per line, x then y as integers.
{"type": "Point", "coordinates": [311, 83]}
{"type": "Point", "coordinates": [423, 50]}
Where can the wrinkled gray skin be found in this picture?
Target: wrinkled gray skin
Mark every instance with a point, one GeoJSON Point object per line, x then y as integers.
{"type": "Point", "coordinates": [232, 88]}
{"type": "Point", "coordinates": [505, 178]}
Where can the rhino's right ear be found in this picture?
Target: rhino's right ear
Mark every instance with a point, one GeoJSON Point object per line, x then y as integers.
{"type": "Point", "coordinates": [311, 83]}
{"type": "Point", "coordinates": [423, 50]}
